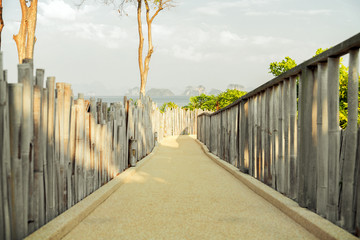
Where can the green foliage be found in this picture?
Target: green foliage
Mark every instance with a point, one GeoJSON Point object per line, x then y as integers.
{"type": "Point", "coordinates": [168, 105]}
{"type": "Point", "coordinates": [320, 50]}
{"type": "Point", "coordinates": [229, 96]}
{"type": "Point", "coordinates": [204, 102]}
{"type": "Point", "coordinates": [213, 103]}
{"type": "Point", "coordinates": [278, 68]}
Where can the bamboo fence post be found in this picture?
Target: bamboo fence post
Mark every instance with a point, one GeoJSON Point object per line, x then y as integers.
{"type": "Point", "coordinates": [235, 134]}
{"type": "Point", "coordinates": [262, 136]}
{"type": "Point", "coordinates": [138, 129]}
{"type": "Point", "coordinates": [44, 134]}
{"type": "Point", "coordinates": [223, 133]}
{"type": "Point", "coordinates": [38, 188]}
{"type": "Point", "coordinates": [311, 198]}
{"type": "Point", "coordinates": [347, 216]}
{"type": "Point", "coordinates": [67, 162]}
{"type": "Point", "coordinates": [25, 76]}
{"type": "Point", "coordinates": [72, 153]}
{"type": "Point", "coordinates": [18, 226]}
{"type": "Point", "coordinates": [5, 164]}
{"type": "Point", "coordinates": [307, 163]}
{"type": "Point", "coordinates": [251, 135]}
{"type": "Point", "coordinates": [92, 150]}
{"type": "Point", "coordinates": [50, 154]}
{"type": "Point", "coordinates": [241, 136]}
{"type": "Point", "coordinates": [275, 172]}
{"type": "Point", "coordinates": [213, 134]}
{"type": "Point", "coordinates": [334, 138]}
{"type": "Point", "coordinates": [245, 134]}
{"type": "Point", "coordinates": [322, 135]}
{"type": "Point", "coordinates": [103, 161]}
{"type": "Point", "coordinates": [78, 152]}
{"type": "Point", "coordinates": [293, 140]}
{"type": "Point", "coordinates": [357, 179]}
{"type": "Point", "coordinates": [267, 134]}
{"type": "Point", "coordinates": [270, 106]}
{"type": "Point", "coordinates": [97, 155]}
{"type": "Point", "coordinates": [82, 146]}
{"type": "Point", "coordinates": [255, 137]}
{"type": "Point", "coordinates": [286, 115]}
{"type": "Point", "coordinates": [108, 152]}
{"type": "Point", "coordinates": [59, 146]}
{"type": "Point", "coordinates": [99, 112]}
{"type": "Point", "coordinates": [123, 140]}
{"type": "Point", "coordinates": [3, 173]}
{"type": "Point", "coordinates": [258, 138]}
{"type": "Point", "coordinates": [87, 156]}
{"type": "Point", "coordinates": [280, 165]}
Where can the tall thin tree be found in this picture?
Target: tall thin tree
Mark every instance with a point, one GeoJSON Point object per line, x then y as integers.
{"type": "Point", "coordinates": [144, 64]}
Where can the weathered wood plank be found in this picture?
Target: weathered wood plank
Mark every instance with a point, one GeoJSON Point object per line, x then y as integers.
{"type": "Point", "coordinates": [72, 155]}
{"type": "Point", "coordinates": [270, 135]}
{"type": "Point", "coordinates": [307, 156]}
{"type": "Point", "coordinates": [50, 154]}
{"type": "Point", "coordinates": [293, 140]}
{"type": "Point", "coordinates": [43, 143]}
{"type": "Point", "coordinates": [286, 115]}
{"type": "Point", "coordinates": [25, 76]}
{"type": "Point", "coordinates": [347, 216]}
{"type": "Point", "coordinates": [267, 138]}
{"type": "Point", "coordinates": [38, 185]}
{"type": "Point", "coordinates": [275, 165]}
{"type": "Point", "coordinates": [334, 139]}
{"type": "Point", "coordinates": [5, 164]}
{"type": "Point", "coordinates": [18, 226]}
{"type": "Point", "coordinates": [322, 138]}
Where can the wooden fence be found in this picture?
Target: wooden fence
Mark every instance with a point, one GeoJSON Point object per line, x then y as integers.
{"type": "Point", "coordinates": [298, 148]}
{"type": "Point", "coordinates": [55, 150]}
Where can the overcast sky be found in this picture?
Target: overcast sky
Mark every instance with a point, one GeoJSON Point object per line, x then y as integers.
{"type": "Point", "coordinates": [199, 42]}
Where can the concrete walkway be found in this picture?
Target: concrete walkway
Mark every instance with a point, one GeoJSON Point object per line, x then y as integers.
{"type": "Point", "coordinates": [182, 194]}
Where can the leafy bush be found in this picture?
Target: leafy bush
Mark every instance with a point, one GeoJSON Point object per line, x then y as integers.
{"type": "Point", "coordinates": [212, 102]}
{"type": "Point", "coordinates": [168, 105]}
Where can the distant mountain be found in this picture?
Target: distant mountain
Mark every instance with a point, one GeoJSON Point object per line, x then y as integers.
{"type": "Point", "coordinates": [133, 92]}
{"type": "Point", "coordinates": [236, 86]}
{"type": "Point", "coordinates": [159, 92]}
{"type": "Point", "coordinates": [214, 91]}
{"type": "Point", "coordinates": [194, 91]}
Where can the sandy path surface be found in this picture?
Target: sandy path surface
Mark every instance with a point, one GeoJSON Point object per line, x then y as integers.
{"type": "Point", "coordinates": [182, 194]}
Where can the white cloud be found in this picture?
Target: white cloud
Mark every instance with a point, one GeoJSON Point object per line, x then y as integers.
{"type": "Point", "coordinates": [160, 30]}
{"type": "Point", "coordinates": [60, 10]}
{"type": "Point", "coordinates": [290, 12]}
{"type": "Point", "coordinates": [215, 8]}
{"type": "Point", "coordinates": [208, 10]}
{"type": "Point", "coordinates": [107, 35]}
{"type": "Point", "coordinates": [57, 9]}
{"type": "Point", "coordinates": [266, 40]}
{"type": "Point", "coordinates": [227, 37]}
{"type": "Point", "coordinates": [187, 53]}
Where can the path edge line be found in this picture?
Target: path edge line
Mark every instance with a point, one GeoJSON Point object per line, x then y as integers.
{"type": "Point", "coordinates": [315, 224]}
{"type": "Point", "coordinates": [68, 220]}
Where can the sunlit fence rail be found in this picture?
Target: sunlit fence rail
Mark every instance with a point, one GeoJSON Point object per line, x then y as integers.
{"type": "Point", "coordinates": [55, 149]}
{"type": "Point", "coordinates": [298, 148]}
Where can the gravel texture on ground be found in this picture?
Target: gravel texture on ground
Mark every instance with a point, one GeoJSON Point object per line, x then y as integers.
{"type": "Point", "coordinates": [182, 194]}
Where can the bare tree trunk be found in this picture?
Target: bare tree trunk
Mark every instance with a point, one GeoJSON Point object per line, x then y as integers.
{"type": "Point", "coordinates": [141, 47]}
{"type": "Point", "coordinates": [144, 67]}
{"type": "Point", "coordinates": [25, 39]}
{"type": "Point", "coordinates": [1, 21]}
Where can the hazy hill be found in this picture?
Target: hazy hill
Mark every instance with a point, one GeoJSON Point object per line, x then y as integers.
{"type": "Point", "coordinates": [159, 92]}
